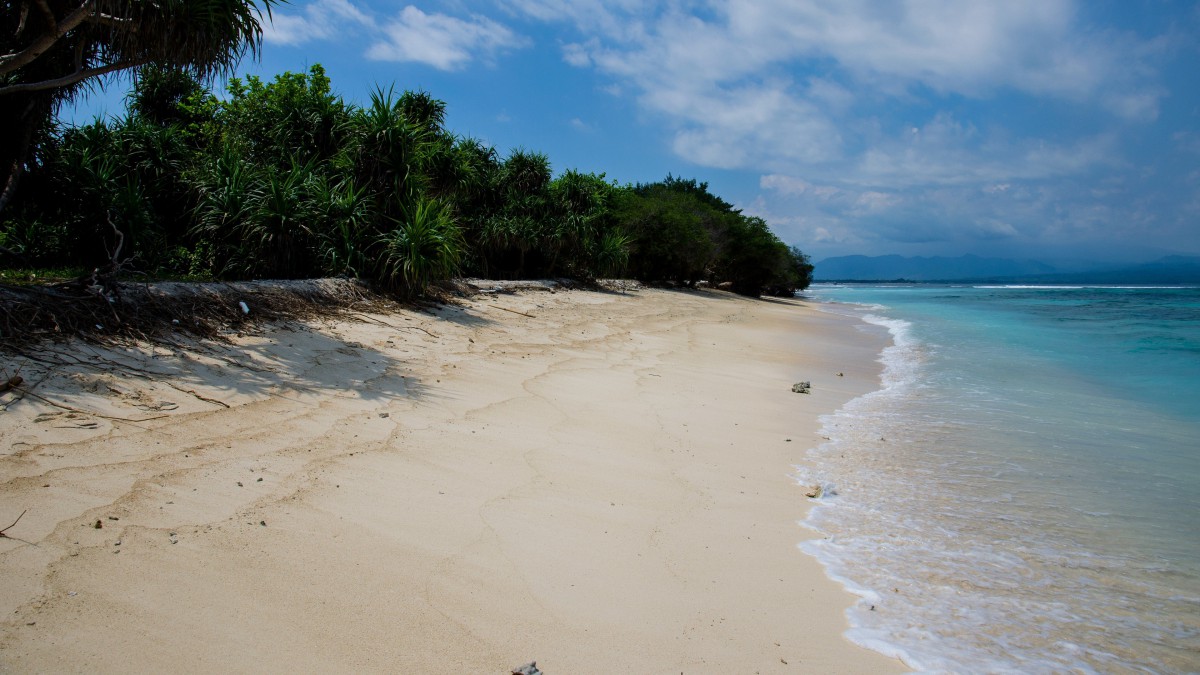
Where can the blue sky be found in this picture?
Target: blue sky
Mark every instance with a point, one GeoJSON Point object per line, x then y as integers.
{"type": "Point", "coordinates": [1024, 128]}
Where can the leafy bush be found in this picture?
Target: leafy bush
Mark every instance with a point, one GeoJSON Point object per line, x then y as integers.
{"type": "Point", "coordinates": [284, 179]}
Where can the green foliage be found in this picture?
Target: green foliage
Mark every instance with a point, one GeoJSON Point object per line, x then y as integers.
{"type": "Point", "coordinates": [57, 48]}
{"type": "Point", "coordinates": [426, 245]}
{"type": "Point", "coordinates": [341, 218]}
{"type": "Point", "coordinates": [283, 179]}
{"type": "Point", "coordinates": [168, 96]}
{"type": "Point", "coordinates": [33, 241]}
{"type": "Point", "coordinates": [296, 116]}
{"type": "Point", "coordinates": [20, 276]}
{"type": "Point", "coordinates": [611, 257]}
{"type": "Point", "coordinates": [671, 240]}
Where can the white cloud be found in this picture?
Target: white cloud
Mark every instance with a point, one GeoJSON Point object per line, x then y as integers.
{"type": "Point", "coordinates": [789, 185]}
{"type": "Point", "coordinates": [441, 41]}
{"type": "Point", "coordinates": [727, 77]}
{"type": "Point", "coordinates": [871, 202]}
{"type": "Point", "coordinates": [947, 152]}
{"type": "Point", "coordinates": [320, 20]}
{"type": "Point", "coordinates": [576, 55]}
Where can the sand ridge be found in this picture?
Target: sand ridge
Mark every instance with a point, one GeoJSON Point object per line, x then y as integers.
{"type": "Point", "coordinates": [595, 480]}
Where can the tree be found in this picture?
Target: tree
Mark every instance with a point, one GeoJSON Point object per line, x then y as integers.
{"type": "Point", "coordinates": [296, 115]}
{"type": "Point", "coordinates": [52, 50]}
{"type": "Point", "coordinates": [165, 96]}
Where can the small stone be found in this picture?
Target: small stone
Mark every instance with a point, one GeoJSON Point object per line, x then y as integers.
{"type": "Point", "coordinates": [99, 525]}
{"type": "Point", "coordinates": [259, 480]}
{"type": "Point", "coordinates": [113, 518]}
{"type": "Point", "coordinates": [240, 484]}
{"type": "Point", "coordinates": [263, 523]}
{"type": "Point", "coordinates": [385, 415]}
{"type": "Point", "coordinates": [527, 669]}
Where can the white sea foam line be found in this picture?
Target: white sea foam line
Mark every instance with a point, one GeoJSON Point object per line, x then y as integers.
{"type": "Point", "coordinates": [900, 362]}
{"type": "Point", "coordinates": [1040, 287]}
{"type": "Point", "coordinates": [928, 645]}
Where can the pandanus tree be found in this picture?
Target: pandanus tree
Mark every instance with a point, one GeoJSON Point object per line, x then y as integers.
{"type": "Point", "coordinates": [400, 154]}
{"type": "Point", "coordinates": [516, 227]}
{"type": "Point", "coordinates": [52, 50]}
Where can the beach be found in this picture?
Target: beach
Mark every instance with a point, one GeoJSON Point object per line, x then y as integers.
{"type": "Point", "coordinates": [596, 480]}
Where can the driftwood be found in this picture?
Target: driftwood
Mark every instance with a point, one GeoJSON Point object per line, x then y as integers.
{"type": "Point", "coordinates": [11, 383]}
{"type": "Point", "coordinates": [4, 532]}
{"type": "Point", "coordinates": [514, 311]}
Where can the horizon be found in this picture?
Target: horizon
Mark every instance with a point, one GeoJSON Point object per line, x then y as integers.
{"type": "Point", "coordinates": [1048, 129]}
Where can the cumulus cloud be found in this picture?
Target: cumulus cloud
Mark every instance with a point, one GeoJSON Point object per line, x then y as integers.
{"type": "Point", "coordinates": [320, 20]}
{"type": "Point", "coordinates": [860, 115]}
{"type": "Point", "coordinates": [442, 41]}
{"type": "Point", "coordinates": [725, 77]}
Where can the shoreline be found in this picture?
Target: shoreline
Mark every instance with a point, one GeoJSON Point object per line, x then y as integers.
{"type": "Point", "coordinates": [591, 480]}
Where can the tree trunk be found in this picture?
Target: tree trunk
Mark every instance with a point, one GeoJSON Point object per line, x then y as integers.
{"type": "Point", "coordinates": [14, 152]}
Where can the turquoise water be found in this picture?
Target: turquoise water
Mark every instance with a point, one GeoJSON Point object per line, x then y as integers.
{"type": "Point", "coordinates": [1023, 494]}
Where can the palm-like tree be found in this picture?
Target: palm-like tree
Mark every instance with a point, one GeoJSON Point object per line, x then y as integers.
{"type": "Point", "coordinates": [51, 49]}
{"type": "Point", "coordinates": [389, 151]}
{"type": "Point", "coordinates": [425, 246]}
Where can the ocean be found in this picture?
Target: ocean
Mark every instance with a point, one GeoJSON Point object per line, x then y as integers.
{"type": "Point", "coordinates": [1023, 492]}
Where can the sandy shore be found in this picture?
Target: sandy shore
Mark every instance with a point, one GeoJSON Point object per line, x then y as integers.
{"type": "Point", "coordinates": [597, 481]}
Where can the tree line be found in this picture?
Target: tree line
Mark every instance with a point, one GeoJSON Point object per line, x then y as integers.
{"type": "Point", "coordinates": [284, 179]}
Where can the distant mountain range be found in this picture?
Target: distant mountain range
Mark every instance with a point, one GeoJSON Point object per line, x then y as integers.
{"type": "Point", "coordinates": [1169, 270]}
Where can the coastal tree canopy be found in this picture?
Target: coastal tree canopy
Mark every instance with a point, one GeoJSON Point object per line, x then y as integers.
{"type": "Point", "coordinates": [52, 50]}
{"type": "Point", "coordinates": [284, 179]}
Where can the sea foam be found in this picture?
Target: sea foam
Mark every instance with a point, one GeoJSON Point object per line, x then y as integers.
{"type": "Point", "coordinates": [995, 509]}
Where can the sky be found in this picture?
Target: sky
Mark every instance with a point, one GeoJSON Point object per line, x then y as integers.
{"type": "Point", "coordinates": [1047, 129]}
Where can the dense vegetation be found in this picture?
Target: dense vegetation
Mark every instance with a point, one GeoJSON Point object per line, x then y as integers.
{"type": "Point", "coordinates": [53, 50]}
{"type": "Point", "coordinates": [283, 179]}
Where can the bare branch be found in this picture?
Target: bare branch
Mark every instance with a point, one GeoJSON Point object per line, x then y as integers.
{"type": "Point", "coordinates": [29, 123]}
{"type": "Point", "coordinates": [116, 256]}
{"type": "Point", "coordinates": [109, 20]}
{"type": "Point", "coordinates": [11, 62]}
{"type": "Point", "coordinates": [14, 523]}
{"type": "Point", "coordinates": [66, 80]}
{"type": "Point", "coordinates": [48, 13]}
{"type": "Point", "coordinates": [24, 16]}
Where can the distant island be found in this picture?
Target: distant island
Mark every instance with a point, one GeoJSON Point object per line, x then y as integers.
{"type": "Point", "coordinates": [1174, 269]}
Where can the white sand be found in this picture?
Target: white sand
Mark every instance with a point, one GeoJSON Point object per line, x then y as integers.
{"type": "Point", "coordinates": [603, 487]}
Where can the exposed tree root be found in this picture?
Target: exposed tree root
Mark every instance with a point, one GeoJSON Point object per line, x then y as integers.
{"type": "Point", "coordinates": [30, 315]}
